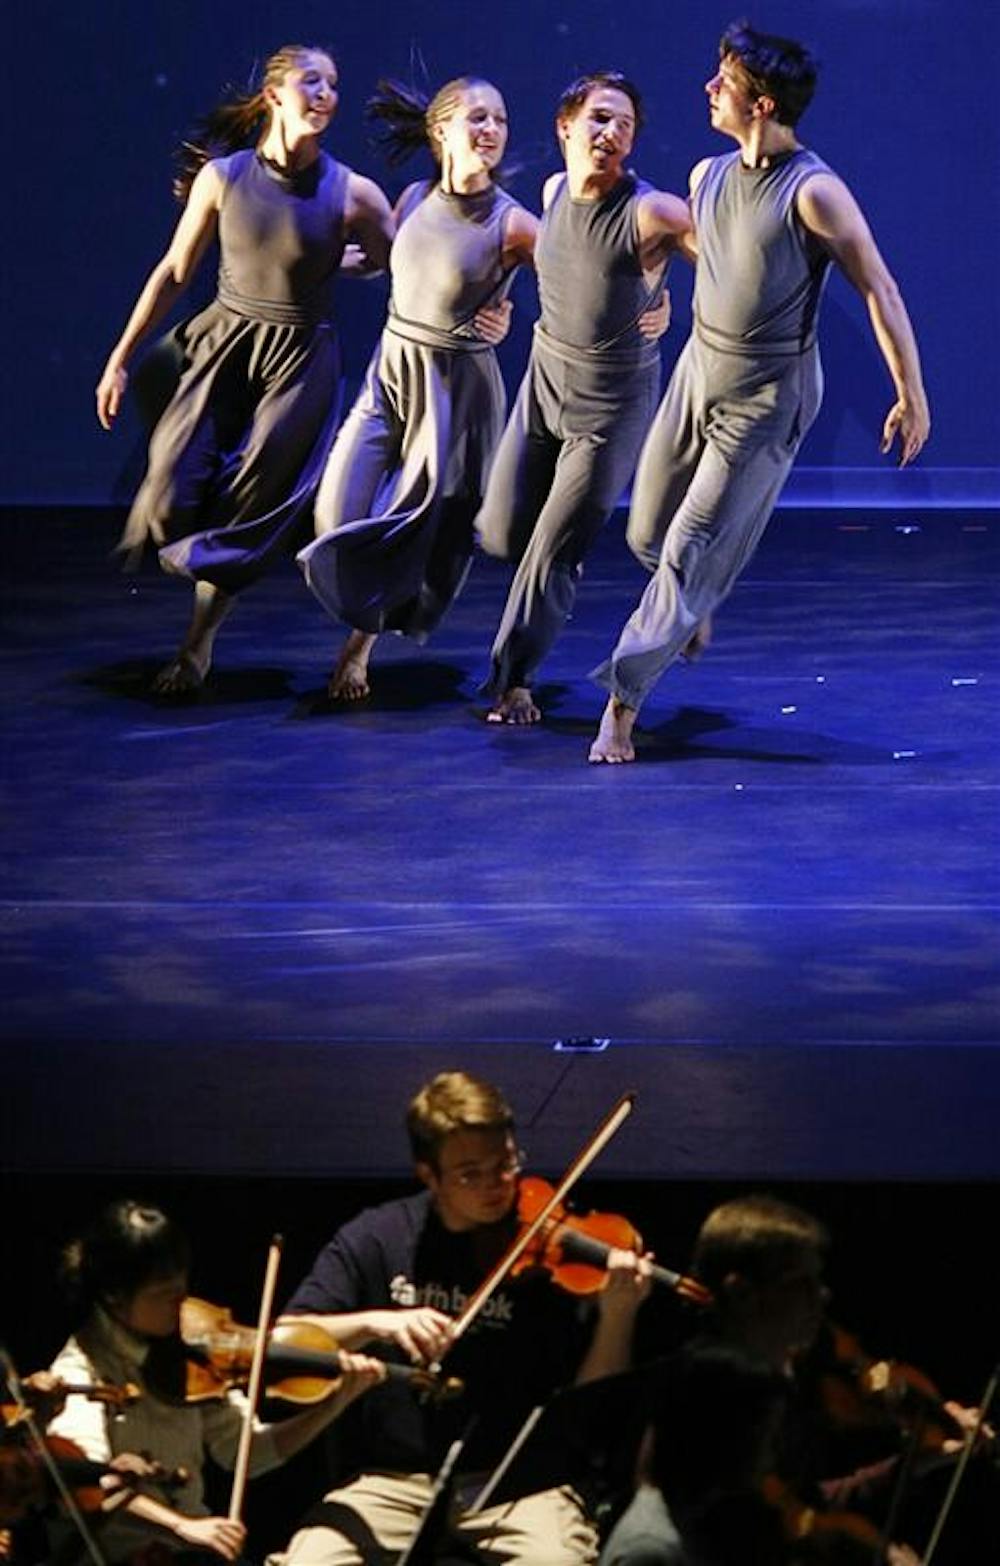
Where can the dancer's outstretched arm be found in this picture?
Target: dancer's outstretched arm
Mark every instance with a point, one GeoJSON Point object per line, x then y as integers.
{"type": "Point", "coordinates": [164, 285]}
{"type": "Point", "coordinates": [829, 211]}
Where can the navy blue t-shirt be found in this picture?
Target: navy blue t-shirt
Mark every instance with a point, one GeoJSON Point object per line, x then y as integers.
{"type": "Point", "coordinates": [526, 1342]}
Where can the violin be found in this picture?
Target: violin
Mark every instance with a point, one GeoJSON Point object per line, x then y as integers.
{"type": "Point", "coordinates": [550, 1219]}
{"type": "Point", "coordinates": [857, 1391]}
{"type": "Point", "coordinates": [302, 1360]}
{"type": "Point", "coordinates": [26, 1482]}
{"type": "Point", "coordinates": [44, 1399]}
{"type": "Point", "coordinates": [574, 1248]}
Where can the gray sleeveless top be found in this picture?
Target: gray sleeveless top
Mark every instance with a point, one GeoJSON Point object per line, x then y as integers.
{"type": "Point", "coordinates": [591, 286]}
{"type": "Point", "coordinates": [760, 276]}
{"type": "Point", "coordinates": [280, 238]}
{"type": "Point", "coordinates": [446, 264]}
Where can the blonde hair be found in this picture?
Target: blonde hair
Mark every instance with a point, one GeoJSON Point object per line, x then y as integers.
{"type": "Point", "coordinates": [408, 118]}
{"type": "Point", "coordinates": [453, 1101]}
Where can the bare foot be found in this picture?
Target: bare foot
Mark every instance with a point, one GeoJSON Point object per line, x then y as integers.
{"type": "Point", "coordinates": [699, 641]}
{"type": "Point", "coordinates": [349, 680]}
{"type": "Point", "coordinates": [182, 675]}
{"type": "Point", "coordinates": [187, 671]}
{"type": "Point", "coordinates": [614, 737]}
{"type": "Point", "coordinates": [514, 706]}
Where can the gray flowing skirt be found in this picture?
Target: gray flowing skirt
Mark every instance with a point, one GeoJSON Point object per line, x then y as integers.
{"type": "Point", "coordinates": [403, 483]}
{"type": "Point", "coordinates": [236, 456]}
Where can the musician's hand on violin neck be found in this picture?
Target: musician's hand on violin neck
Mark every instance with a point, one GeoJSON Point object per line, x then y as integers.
{"type": "Point", "coordinates": [629, 1283]}
{"type": "Point", "coordinates": [424, 1333]}
{"type": "Point", "coordinates": [901, 1555]}
{"type": "Point", "coordinates": [967, 1419]}
{"type": "Point", "coordinates": [360, 1373]}
{"type": "Point", "coordinates": [44, 1394]}
{"type": "Point", "coordinates": [131, 1465]}
{"type": "Point", "coordinates": [216, 1534]}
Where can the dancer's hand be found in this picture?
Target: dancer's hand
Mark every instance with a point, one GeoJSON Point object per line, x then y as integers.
{"type": "Point", "coordinates": [110, 391]}
{"type": "Point", "coordinates": [355, 263]}
{"type": "Point", "coordinates": [656, 320]}
{"type": "Point", "coordinates": [492, 322]}
{"type": "Point", "coordinates": [912, 421]}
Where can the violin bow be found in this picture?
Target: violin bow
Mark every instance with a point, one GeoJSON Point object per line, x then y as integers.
{"type": "Point", "coordinates": [971, 1437]}
{"type": "Point", "coordinates": [51, 1467]}
{"type": "Point", "coordinates": [595, 1144]}
{"type": "Point", "coordinates": [242, 1465]}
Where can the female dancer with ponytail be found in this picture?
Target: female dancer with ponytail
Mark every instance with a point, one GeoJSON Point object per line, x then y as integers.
{"type": "Point", "coordinates": [236, 456]}
{"type": "Point", "coordinates": [407, 471]}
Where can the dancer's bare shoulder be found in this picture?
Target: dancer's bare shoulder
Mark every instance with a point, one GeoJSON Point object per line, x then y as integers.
{"type": "Point", "coordinates": [520, 232]}
{"type": "Point", "coordinates": [368, 219]}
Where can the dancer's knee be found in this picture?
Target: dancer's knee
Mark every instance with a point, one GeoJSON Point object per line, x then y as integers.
{"type": "Point", "coordinates": [644, 538]}
{"type": "Point", "coordinates": [497, 530]}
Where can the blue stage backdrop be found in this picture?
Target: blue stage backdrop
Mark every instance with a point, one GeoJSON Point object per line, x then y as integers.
{"type": "Point", "coordinates": [905, 112]}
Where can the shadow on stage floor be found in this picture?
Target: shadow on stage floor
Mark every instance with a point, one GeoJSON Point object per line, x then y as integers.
{"type": "Point", "coordinates": [239, 929]}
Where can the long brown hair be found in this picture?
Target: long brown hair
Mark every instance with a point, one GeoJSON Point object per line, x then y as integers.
{"type": "Point", "coordinates": [238, 120]}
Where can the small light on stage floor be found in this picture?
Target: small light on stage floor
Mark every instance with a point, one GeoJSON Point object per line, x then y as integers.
{"type": "Point", "coordinates": [901, 755]}
{"type": "Point", "coordinates": [908, 527]}
{"type": "Point", "coordinates": [789, 709]}
{"type": "Point", "coordinates": [580, 1045]}
{"type": "Point", "coordinates": [970, 681]}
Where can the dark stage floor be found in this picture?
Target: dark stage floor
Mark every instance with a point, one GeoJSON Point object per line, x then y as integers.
{"type": "Point", "coordinates": [283, 917]}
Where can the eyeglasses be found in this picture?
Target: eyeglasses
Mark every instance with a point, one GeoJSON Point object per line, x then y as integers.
{"type": "Point", "coordinates": [475, 1177]}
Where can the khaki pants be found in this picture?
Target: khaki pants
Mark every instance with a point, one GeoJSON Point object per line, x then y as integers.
{"type": "Point", "coordinates": [370, 1521]}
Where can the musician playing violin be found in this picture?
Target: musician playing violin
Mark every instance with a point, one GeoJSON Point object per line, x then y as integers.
{"type": "Point", "coordinates": [128, 1275]}
{"type": "Point", "coordinates": [396, 1277]}
{"type": "Point", "coordinates": [764, 1261]}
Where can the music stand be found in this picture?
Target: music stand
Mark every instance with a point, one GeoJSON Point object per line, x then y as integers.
{"type": "Point", "coordinates": [422, 1548]}
{"type": "Point", "coordinates": [559, 1441]}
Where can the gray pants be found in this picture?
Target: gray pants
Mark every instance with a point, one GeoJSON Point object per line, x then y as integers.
{"type": "Point", "coordinates": [566, 455]}
{"type": "Point", "coordinates": [714, 462]}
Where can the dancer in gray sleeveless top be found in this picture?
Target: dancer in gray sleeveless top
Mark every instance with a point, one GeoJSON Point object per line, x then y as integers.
{"type": "Point", "coordinates": [769, 220]}
{"type": "Point", "coordinates": [592, 379]}
{"type": "Point", "coordinates": [407, 471]}
{"type": "Point", "coordinates": [236, 457]}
